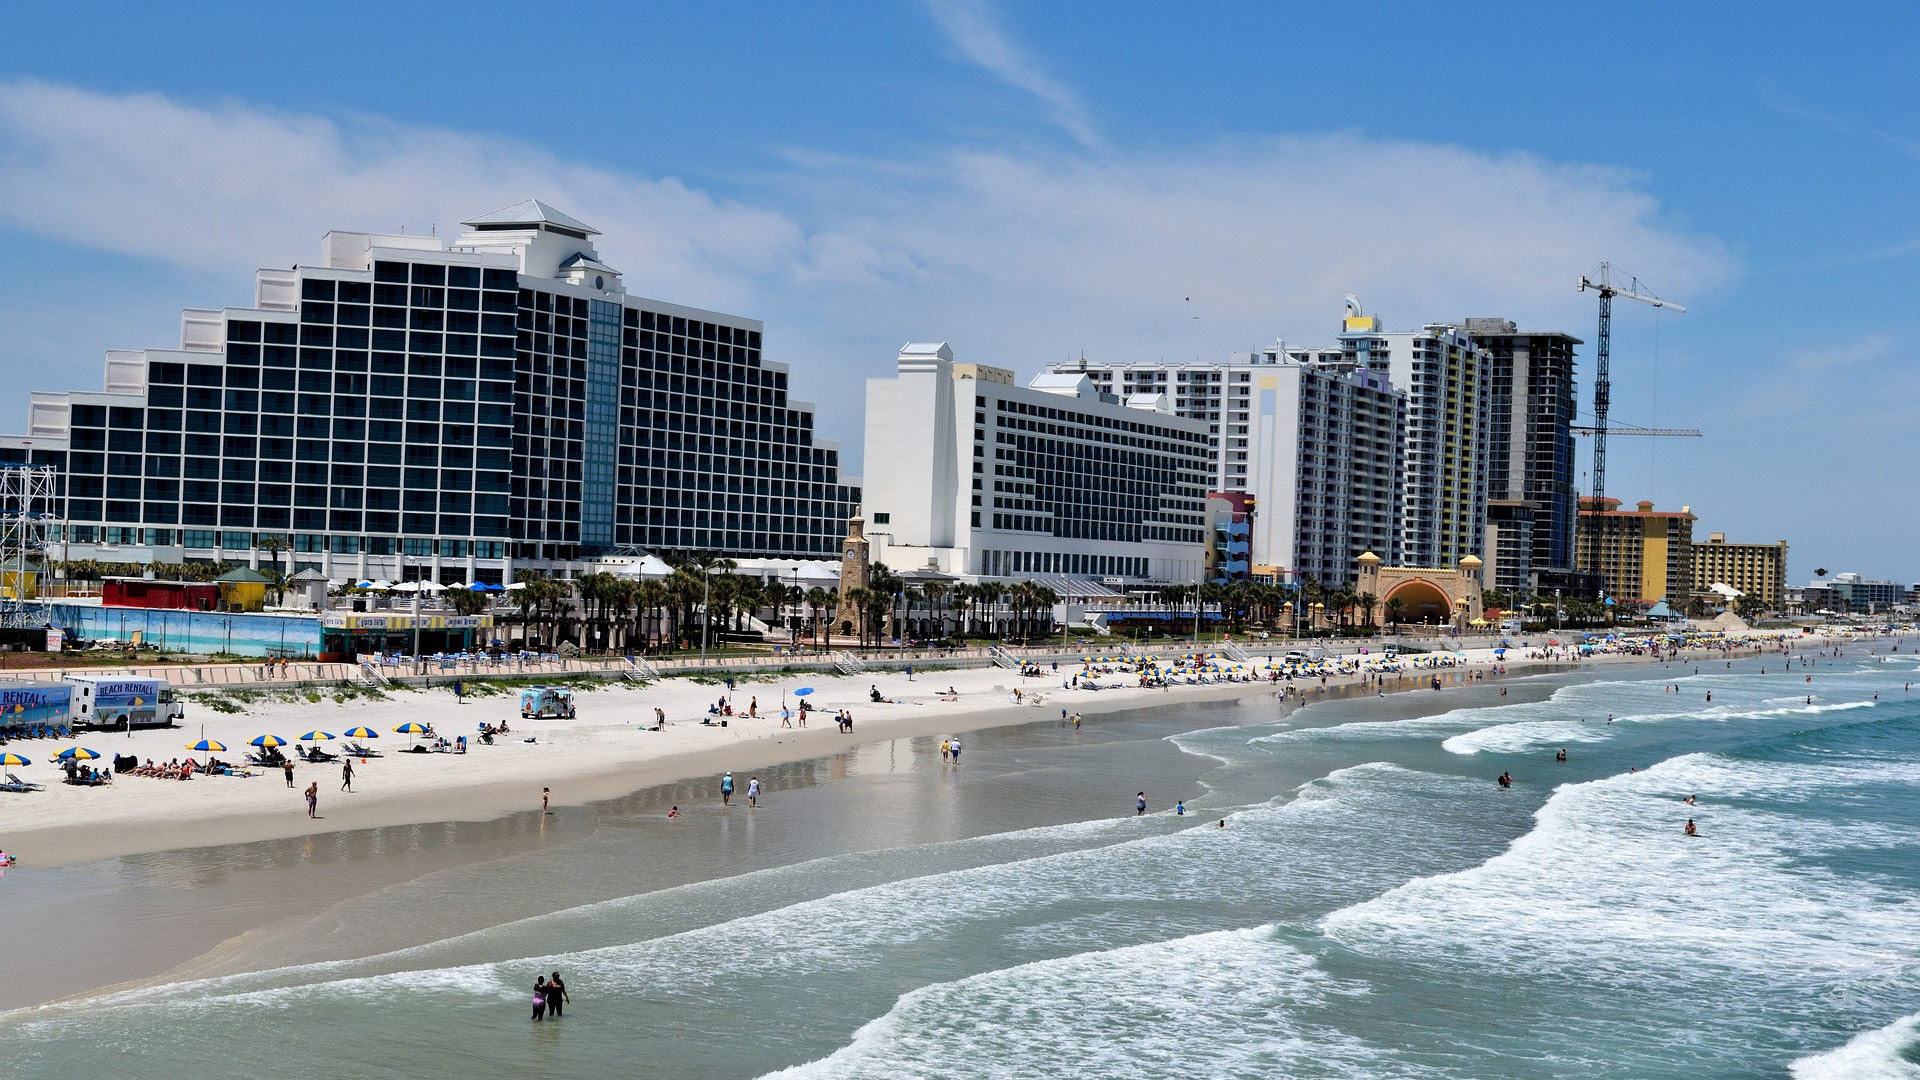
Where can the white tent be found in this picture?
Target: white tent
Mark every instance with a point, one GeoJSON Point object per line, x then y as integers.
{"type": "Point", "coordinates": [649, 566]}
{"type": "Point", "coordinates": [817, 573]}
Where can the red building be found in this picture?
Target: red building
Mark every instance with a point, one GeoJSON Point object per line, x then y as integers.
{"type": "Point", "coordinates": [147, 593]}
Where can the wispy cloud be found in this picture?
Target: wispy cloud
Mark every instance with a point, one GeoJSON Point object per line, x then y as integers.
{"type": "Point", "coordinates": [974, 29]}
{"type": "Point", "coordinates": [1018, 258]}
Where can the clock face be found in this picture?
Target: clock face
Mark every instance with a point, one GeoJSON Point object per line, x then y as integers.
{"type": "Point", "coordinates": [599, 283]}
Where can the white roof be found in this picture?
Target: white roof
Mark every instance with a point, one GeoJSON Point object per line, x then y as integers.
{"type": "Point", "coordinates": [532, 212]}
{"type": "Point", "coordinates": [927, 348]}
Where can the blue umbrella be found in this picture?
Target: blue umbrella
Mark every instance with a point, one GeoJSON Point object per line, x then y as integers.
{"type": "Point", "coordinates": [803, 691]}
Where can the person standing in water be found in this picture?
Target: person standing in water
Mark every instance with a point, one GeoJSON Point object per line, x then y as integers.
{"type": "Point", "coordinates": [726, 790]}
{"type": "Point", "coordinates": [540, 997]}
{"type": "Point", "coordinates": [753, 791]}
{"type": "Point", "coordinates": [1140, 805]}
{"type": "Point", "coordinates": [557, 995]}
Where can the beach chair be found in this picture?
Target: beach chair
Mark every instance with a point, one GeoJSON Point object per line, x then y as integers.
{"type": "Point", "coordinates": [460, 745]}
{"type": "Point", "coordinates": [14, 783]}
{"type": "Point", "coordinates": [357, 750]}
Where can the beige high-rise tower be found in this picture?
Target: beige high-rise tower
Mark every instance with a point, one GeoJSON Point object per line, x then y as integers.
{"type": "Point", "coordinates": [854, 574]}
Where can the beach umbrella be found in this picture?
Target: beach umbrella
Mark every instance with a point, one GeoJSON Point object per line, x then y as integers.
{"type": "Point", "coordinates": [77, 753]}
{"type": "Point", "coordinates": [316, 736]}
{"type": "Point", "coordinates": [803, 691]}
{"type": "Point", "coordinates": [10, 759]}
{"type": "Point", "coordinates": [208, 746]}
{"type": "Point", "coordinates": [363, 733]}
{"type": "Point", "coordinates": [266, 742]}
{"type": "Point", "coordinates": [411, 728]}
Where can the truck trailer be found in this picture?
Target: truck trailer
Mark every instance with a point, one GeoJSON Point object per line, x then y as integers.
{"type": "Point", "coordinates": [113, 703]}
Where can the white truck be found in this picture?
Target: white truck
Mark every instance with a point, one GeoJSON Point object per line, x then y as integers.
{"type": "Point", "coordinates": [118, 703]}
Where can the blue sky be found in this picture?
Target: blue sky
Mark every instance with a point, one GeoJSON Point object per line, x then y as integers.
{"type": "Point", "coordinates": [1030, 182]}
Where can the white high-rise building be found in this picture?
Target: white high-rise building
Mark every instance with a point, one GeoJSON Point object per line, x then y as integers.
{"type": "Point", "coordinates": [1447, 378]}
{"type": "Point", "coordinates": [1314, 438]}
{"type": "Point", "coordinates": [970, 474]}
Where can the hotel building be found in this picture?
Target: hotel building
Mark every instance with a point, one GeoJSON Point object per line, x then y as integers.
{"type": "Point", "coordinates": [1758, 570]}
{"type": "Point", "coordinates": [408, 407]}
{"type": "Point", "coordinates": [1313, 437]}
{"type": "Point", "coordinates": [970, 474]}
{"type": "Point", "coordinates": [1645, 555]}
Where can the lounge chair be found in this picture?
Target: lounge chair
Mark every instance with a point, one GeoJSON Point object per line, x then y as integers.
{"type": "Point", "coordinates": [357, 750]}
{"type": "Point", "coordinates": [14, 783]}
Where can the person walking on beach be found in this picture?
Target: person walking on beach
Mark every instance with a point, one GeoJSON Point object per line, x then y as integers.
{"type": "Point", "coordinates": [557, 995]}
{"type": "Point", "coordinates": [313, 799]}
{"type": "Point", "coordinates": [753, 791]}
{"type": "Point", "coordinates": [540, 997]}
{"type": "Point", "coordinates": [726, 790]}
{"type": "Point", "coordinates": [287, 765]}
{"type": "Point", "coordinates": [753, 706]}
{"type": "Point", "coordinates": [955, 749]}
{"type": "Point", "coordinates": [946, 749]}
{"type": "Point", "coordinates": [346, 775]}
{"type": "Point", "coordinates": [545, 794]}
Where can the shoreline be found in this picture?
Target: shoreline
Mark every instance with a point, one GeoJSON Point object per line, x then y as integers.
{"type": "Point", "coordinates": [498, 820]}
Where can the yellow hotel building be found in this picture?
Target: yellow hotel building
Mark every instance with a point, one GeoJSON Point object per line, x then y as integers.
{"type": "Point", "coordinates": [1758, 570]}
{"type": "Point", "coordinates": [1645, 554]}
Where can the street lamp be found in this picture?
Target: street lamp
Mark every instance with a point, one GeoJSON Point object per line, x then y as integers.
{"type": "Point", "coordinates": [793, 620]}
{"type": "Point", "coordinates": [706, 611]}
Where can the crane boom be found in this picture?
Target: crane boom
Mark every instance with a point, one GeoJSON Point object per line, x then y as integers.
{"type": "Point", "coordinates": [1653, 432]}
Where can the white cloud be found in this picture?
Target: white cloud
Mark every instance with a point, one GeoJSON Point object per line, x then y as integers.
{"type": "Point", "coordinates": [973, 29]}
{"type": "Point", "coordinates": [1017, 258]}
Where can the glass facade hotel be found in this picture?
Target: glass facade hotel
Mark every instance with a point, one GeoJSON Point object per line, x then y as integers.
{"type": "Point", "coordinates": [473, 407]}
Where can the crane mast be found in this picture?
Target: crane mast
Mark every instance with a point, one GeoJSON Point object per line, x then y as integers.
{"type": "Point", "coordinates": [1608, 287]}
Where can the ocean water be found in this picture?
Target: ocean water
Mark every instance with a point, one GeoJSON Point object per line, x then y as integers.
{"type": "Point", "coordinates": [1376, 906]}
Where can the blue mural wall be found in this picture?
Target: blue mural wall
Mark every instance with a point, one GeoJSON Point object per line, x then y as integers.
{"type": "Point", "coordinates": [191, 631]}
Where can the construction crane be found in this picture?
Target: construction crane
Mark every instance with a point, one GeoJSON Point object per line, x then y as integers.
{"type": "Point", "coordinates": [1607, 283]}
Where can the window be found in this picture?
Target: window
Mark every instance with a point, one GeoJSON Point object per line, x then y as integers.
{"type": "Point", "coordinates": [882, 519]}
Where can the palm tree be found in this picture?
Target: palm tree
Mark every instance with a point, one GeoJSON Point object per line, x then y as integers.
{"type": "Point", "coordinates": [1395, 608]}
{"type": "Point", "coordinates": [819, 600]}
{"type": "Point", "coordinates": [651, 597]}
{"type": "Point", "coordinates": [936, 595]}
{"type": "Point", "coordinates": [1368, 602]}
{"type": "Point", "coordinates": [468, 601]}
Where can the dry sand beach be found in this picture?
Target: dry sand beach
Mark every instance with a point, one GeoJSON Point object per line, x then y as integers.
{"type": "Point", "coordinates": [603, 753]}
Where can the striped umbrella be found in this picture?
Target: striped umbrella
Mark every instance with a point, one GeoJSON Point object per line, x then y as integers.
{"type": "Point", "coordinates": [316, 736]}
{"type": "Point", "coordinates": [14, 759]}
{"type": "Point", "coordinates": [266, 742]}
{"type": "Point", "coordinates": [208, 746]}
{"type": "Point", "coordinates": [76, 753]}
{"type": "Point", "coordinates": [411, 728]}
{"type": "Point", "coordinates": [363, 733]}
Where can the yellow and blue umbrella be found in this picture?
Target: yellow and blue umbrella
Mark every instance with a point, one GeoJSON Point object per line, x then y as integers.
{"type": "Point", "coordinates": [410, 728]}
{"type": "Point", "coordinates": [77, 753]}
{"type": "Point", "coordinates": [316, 736]}
{"type": "Point", "coordinates": [14, 759]}
{"type": "Point", "coordinates": [363, 733]}
{"type": "Point", "coordinates": [267, 742]}
{"type": "Point", "coordinates": [208, 746]}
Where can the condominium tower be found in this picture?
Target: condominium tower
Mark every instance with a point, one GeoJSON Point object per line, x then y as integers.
{"type": "Point", "coordinates": [407, 406]}
{"type": "Point", "coordinates": [1531, 501]}
{"type": "Point", "coordinates": [1757, 570]}
{"type": "Point", "coordinates": [1645, 554]}
{"type": "Point", "coordinates": [1311, 436]}
{"type": "Point", "coordinates": [1447, 378]}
